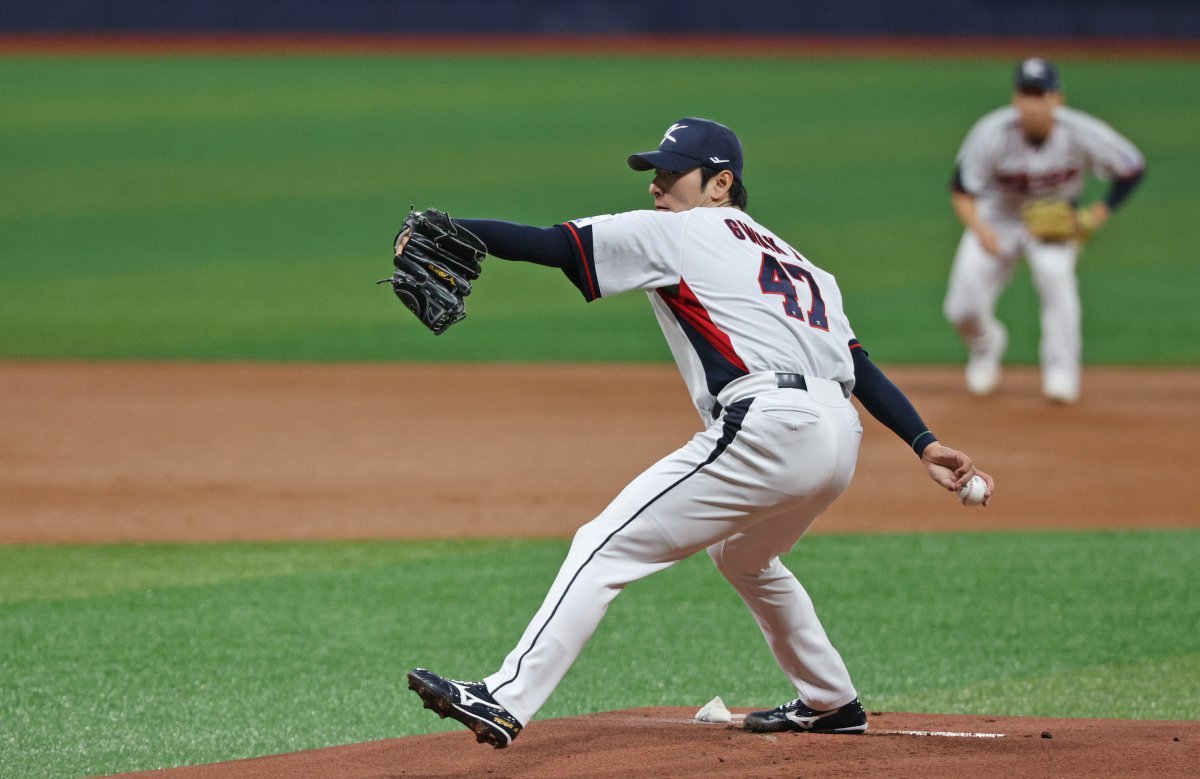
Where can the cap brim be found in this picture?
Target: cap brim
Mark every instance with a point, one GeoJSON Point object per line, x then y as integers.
{"type": "Point", "coordinates": [663, 160]}
{"type": "Point", "coordinates": [1044, 86]}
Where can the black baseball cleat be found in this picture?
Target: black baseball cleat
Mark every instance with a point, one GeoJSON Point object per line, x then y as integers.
{"type": "Point", "coordinates": [794, 715]}
{"type": "Point", "coordinates": [468, 702]}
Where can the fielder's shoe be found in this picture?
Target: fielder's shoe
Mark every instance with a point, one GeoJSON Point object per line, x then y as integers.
{"type": "Point", "coordinates": [468, 702]}
{"type": "Point", "coordinates": [794, 715]}
{"type": "Point", "coordinates": [1058, 389]}
{"type": "Point", "coordinates": [982, 376]}
{"type": "Point", "coordinates": [983, 363]}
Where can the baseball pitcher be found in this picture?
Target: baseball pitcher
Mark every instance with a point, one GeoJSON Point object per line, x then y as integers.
{"type": "Point", "coordinates": [770, 361]}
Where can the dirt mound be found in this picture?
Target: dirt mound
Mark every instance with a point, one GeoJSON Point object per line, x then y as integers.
{"type": "Point", "coordinates": [666, 742]}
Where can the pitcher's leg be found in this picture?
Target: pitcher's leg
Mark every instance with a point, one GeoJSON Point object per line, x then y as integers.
{"type": "Point", "coordinates": [785, 614]}
{"type": "Point", "coordinates": [597, 568]}
{"type": "Point", "coordinates": [781, 606]}
{"type": "Point", "coordinates": [669, 512]}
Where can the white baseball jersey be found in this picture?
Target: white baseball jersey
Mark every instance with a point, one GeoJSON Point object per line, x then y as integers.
{"type": "Point", "coordinates": [731, 297]}
{"type": "Point", "coordinates": [1004, 171]}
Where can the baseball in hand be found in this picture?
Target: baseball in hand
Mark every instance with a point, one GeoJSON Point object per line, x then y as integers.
{"type": "Point", "coordinates": [971, 493]}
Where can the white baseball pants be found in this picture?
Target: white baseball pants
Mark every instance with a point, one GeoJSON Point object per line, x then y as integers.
{"type": "Point", "coordinates": [977, 279]}
{"type": "Point", "coordinates": [746, 489]}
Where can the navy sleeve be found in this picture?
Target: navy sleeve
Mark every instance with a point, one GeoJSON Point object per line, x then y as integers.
{"type": "Point", "coordinates": [550, 246]}
{"type": "Point", "coordinates": [887, 403]}
{"type": "Point", "coordinates": [956, 182]}
{"type": "Point", "coordinates": [511, 241]}
{"type": "Point", "coordinates": [583, 273]}
{"type": "Point", "coordinates": [1120, 189]}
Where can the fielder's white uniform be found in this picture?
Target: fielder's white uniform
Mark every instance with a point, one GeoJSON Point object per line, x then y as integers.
{"type": "Point", "coordinates": [1004, 171]}
{"type": "Point", "coordinates": [736, 305]}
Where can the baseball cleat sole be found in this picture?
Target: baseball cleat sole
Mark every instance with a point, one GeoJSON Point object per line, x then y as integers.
{"type": "Point", "coordinates": [784, 727]}
{"type": "Point", "coordinates": [441, 705]}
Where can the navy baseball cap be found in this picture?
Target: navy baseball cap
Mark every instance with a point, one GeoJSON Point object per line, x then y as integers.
{"type": "Point", "coordinates": [1036, 73]}
{"type": "Point", "coordinates": [691, 143]}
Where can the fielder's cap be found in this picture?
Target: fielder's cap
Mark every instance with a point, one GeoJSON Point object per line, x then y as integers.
{"type": "Point", "coordinates": [1036, 73]}
{"type": "Point", "coordinates": [691, 143]}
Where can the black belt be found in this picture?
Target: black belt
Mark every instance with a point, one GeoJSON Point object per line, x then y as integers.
{"type": "Point", "coordinates": [784, 380]}
{"type": "Point", "coordinates": [791, 381]}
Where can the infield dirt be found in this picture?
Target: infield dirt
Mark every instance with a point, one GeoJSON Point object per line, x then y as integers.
{"type": "Point", "coordinates": [101, 452]}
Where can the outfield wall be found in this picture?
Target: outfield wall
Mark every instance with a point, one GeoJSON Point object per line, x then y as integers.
{"type": "Point", "coordinates": [1174, 19]}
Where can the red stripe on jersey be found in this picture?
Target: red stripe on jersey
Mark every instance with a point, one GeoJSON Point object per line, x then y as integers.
{"type": "Point", "coordinates": [688, 307]}
{"type": "Point", "coordinates": [593, 293]}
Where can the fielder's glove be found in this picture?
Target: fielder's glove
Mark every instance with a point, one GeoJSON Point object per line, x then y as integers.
{"type": "Point", "coordinates": [1085, 225]}
{"type": "Point", "coordinates": [436, 260]}
{"type": "Point", "coordinates": [1055, 221]}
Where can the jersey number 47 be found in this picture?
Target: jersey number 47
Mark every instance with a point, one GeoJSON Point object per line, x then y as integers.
{"type": "Point", "coordinates": [775, 278]}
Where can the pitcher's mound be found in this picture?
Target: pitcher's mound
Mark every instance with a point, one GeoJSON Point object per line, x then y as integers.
{"type": "Point", "coordinates": [667, 742]}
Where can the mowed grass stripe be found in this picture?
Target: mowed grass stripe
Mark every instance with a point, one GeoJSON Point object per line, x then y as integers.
{"type": "Point", "coordinates": [217, 207]}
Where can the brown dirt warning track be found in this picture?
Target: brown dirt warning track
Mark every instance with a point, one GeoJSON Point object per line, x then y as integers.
{"type": "Point", "coordinates": [103, 452]}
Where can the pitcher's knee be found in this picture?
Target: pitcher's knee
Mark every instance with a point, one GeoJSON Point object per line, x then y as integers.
{"type": "Point", "coordinates": [722, 559]}
{"type": "Point", "coordinates": [590, 537]}
{"type": "Point", "coordinates": [735, 567]}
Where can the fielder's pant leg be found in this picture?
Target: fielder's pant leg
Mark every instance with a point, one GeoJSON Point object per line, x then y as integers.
{"type": "Point", "coordinates": [976, 281]}
{"type": "Point", "coordinates": [682, 504]}
{"type": "Point", "coordinates": [1053, 269]}
{"type": "Point", "coordinates": [782, 608]}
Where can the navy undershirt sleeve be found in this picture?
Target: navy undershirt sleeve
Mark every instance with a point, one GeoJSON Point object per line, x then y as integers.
{"type": "Point", "coordinates": [956, 182]}
{"type": "Point", "coordinates": [1120, 189]}
{"type": "Point", "coordinates": [887, 403]}
{"type": "Point", "coordinates": [553, 247]}
{"type": "Point", "coordinates": [547, 246]}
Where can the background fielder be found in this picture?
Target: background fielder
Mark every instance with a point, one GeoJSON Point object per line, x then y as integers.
{"type": "Point", "coordinates": [770, 360]}
{"type": "Point", "coordinates": [1034, 150]}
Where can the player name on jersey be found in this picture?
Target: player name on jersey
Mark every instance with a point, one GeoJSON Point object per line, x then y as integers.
{"type": "Point", "coordinates": [745, 232]}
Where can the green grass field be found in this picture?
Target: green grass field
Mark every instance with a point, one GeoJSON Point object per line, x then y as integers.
{"type": "Point", "coordinates": [242, 207]}
{"type": "Point", "coordinates": [120, 658]}
{"type": "Point", "coordinates": [209, 208]}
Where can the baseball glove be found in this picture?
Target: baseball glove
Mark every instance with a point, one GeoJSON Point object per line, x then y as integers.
{"type": "Point", "coordinates": [1085, 225]}
{"type": "Point", "coordinates": [436, 260]}
{"type": "Point", "coordinates": [1052, 221]}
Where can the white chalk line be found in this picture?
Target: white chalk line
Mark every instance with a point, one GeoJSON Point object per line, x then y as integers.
{"type": "Point", "coordinates": [938, 733]}
{"type": "Point", "coordinates": [942, 733]}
